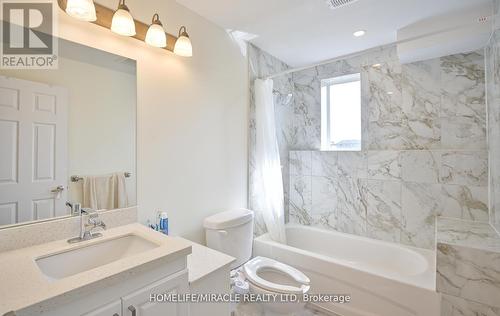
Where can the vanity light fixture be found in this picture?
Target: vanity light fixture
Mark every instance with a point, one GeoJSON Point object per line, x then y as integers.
{"type": "Point", "coordinates": [123, 22]}
{"type": "Point", "coordinates": [120, 21]}
{"type": "Point", "coordinates": [183, 45]}
{"type": "Point", "coordinates": [156, 35]}
{"type": "Point", "coordinates": [83, 10]}
{"type": "Point", "coordinates": [359, 33]}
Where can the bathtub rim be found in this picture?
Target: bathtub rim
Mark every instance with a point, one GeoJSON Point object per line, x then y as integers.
{"type": "Point", "coordinates": [429, 255]}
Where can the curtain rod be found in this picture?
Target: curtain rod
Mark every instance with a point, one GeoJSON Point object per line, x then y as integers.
{"type": "Point", "coordinates": [351, 55]}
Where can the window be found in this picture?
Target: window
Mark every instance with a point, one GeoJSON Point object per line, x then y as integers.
{"type": "Point", "coordinates": [341, 113]}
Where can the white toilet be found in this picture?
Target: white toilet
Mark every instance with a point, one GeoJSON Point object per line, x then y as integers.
{"type": "Point", "coordinates": [231, 232]}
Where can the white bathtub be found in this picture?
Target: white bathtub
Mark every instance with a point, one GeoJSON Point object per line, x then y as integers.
{"type": "Point", "coordinates": [383, 279]}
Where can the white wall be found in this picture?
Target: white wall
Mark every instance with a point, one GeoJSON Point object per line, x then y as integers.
{"type": "Point", "coordinates": [102, 116]}
{"type": "Point", "coordinates": [192, 116]}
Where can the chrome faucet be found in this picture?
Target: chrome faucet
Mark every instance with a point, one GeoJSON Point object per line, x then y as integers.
{"type": "Point", "coordinates": [87, 229]}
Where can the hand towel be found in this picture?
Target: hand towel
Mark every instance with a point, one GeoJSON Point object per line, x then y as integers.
{"type": "Point", "coordinates": [105, 192]}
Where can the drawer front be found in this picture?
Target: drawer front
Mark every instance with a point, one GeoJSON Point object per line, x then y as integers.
{"type": "Point", "coordinates": [138, 303]}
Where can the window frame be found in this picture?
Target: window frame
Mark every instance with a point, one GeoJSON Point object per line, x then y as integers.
{"type": "Point", "coordinates": [326, 141]}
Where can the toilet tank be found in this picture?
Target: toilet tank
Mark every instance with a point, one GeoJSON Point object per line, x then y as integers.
{"type": "Point", "coordinates": [231, 232]}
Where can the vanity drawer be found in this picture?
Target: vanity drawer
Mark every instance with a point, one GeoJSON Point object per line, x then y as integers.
{"type": "Point", "coordinates": [138, 303]}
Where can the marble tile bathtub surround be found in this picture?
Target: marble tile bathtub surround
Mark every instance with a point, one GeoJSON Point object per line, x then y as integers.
{"type": "Point", "coordinates": [468, 267]}
{"type": "Point", "coordinates": [421, 204]}
{"type": "Point", "coordinates": [388, 195]}
{"type": "Point", "coordinates": [384, 165]}
{"type": "Point", "coordinates": [424, 150]}
{"type": "Point", "coordinates": [465, 167]}
{"type": "Point", "coordinates": [463, 103]}
{"type": "Point", "coordinates": [456, 306]}
{"type": "Point", "coordinates": [471, 234]}
{"type": "Point", "coordinates": [469, 273]}
{"type": "Point", "coordinates": [420, 166]}
{"type": "Point", "coordinates": [383, 209]}
{"type": "Point", "coordinates": [468, 257]}
{"type": "Point", "coordinates": [465, 202]}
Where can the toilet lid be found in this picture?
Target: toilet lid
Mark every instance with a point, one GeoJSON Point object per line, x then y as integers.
{"type": "Point", "coordinates": [252, 267]}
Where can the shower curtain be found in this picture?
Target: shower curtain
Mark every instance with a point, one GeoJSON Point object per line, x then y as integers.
{"type": "Point", "coordinates": [268, 183]}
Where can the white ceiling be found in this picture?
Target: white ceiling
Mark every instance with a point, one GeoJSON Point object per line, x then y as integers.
{"type": "Point", "coordinates": [304, 32]}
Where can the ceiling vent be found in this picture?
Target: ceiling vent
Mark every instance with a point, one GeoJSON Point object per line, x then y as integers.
{"type": "Point", "coordinates": [335, 4]}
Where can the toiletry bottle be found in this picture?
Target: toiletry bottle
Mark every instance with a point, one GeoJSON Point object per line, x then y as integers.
{"type": "Point", "coordinates": [148, 223]}
{"type": "Point", "coordinates": [164, 222]}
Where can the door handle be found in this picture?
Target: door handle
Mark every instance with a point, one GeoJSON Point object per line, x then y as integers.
{"type": "Point", "coordinates": [132, 309]}
{"type": "Point", "coordinates": [58, 189]}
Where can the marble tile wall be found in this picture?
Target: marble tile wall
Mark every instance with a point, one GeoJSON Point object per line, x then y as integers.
{"type": "Point", "coordinates": [468, 253]}
{"type": "Point", "coordinates": [389, 195]}
{"type": "Point", "coordinates": [493, 96]}
{"type": "Point", "coordinates": [424, 147]}
{"type": "Point", "coordinates": [469, 273]}
{"type": "Point", "coordinates": [457, 306]}
{"type": "Point", "coordinates": [468, 268]}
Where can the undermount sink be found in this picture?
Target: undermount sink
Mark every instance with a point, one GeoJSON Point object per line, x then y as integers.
{"type": "Point", "coordinates": [64, 264]}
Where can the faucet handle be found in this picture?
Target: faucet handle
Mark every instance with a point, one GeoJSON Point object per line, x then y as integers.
{"type": "Point", "coordinates": [95, 221]}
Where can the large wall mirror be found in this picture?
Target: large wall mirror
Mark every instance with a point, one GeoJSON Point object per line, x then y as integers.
{"type": "Point", "coordinates": [67, 135]}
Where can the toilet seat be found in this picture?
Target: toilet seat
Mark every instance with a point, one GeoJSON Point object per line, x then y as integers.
{"type": "Point", "coordinates": [252, 267]}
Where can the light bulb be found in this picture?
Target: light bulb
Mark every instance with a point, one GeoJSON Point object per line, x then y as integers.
{"type": "Point", "coordinates": [156, 35]}
{"type": "Point", "coordinates": [83, 10]}
{"type": "Point", "coordinates": [183, 45]}
{"type": "Point", "coordinates": [123, 22]}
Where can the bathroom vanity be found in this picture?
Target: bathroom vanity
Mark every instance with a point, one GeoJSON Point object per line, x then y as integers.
{"type": "Point", "coordinates": [110, 275]}
{"type": "Point", "coordinates": [115, 274]}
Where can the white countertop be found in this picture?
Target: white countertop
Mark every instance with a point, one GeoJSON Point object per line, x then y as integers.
{"type": "Point", "coordinates": [203, 261]}
{"type": "Point", "coordinates": [23, 284]}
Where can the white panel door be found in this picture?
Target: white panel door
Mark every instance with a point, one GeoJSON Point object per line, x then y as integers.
{"type": "Point", "coordinates": [33, 150]}
{"type": "Point", "coordinates": [138, 303]}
